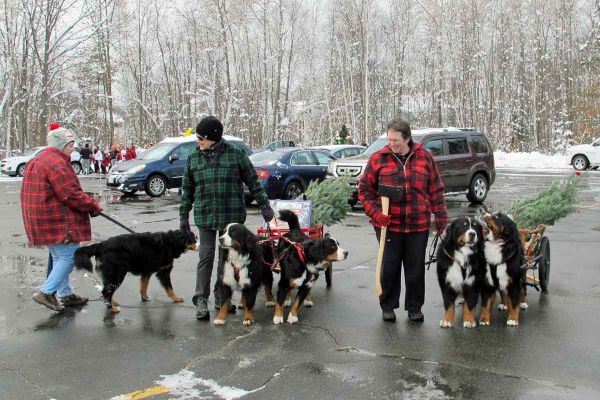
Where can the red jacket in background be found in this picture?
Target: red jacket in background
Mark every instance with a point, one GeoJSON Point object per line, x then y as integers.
{"type": "Point", "coordinates": [423, 188]}
{"type": "Point", "coordinates": [53, 205]}
{"type": "Point", "coordinates": [130, 154]}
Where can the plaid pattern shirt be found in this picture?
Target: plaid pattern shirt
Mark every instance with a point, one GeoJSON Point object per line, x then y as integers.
{"type": "Point", "coordinates": [215, 190]}
{"type": "Point", "coordinates": [423, 188]}
{"type": "Point", "coordinates": [54, 207]}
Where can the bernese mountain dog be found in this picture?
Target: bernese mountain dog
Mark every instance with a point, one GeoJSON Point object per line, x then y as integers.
{"type": "Point", "coordinates": [244, 266]}
{"type": "Point", "coordinates": [461, 268]}
{"type": "Point", "coordinates": [140, 254]}
{"type": "Point", "coordinates": [504, 257]}
{"type": "Point", "coordinates": [300, 261]}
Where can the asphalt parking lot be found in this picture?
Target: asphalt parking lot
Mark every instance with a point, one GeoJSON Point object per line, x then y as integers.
{"type": "Point", "coordinates": [340, 349]}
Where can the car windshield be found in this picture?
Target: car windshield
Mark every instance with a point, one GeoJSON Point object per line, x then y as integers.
{"type": "Point", "coordinates": [32, 151]}
{"type": "Point", "coordinates": [266, 157]}
{"type": "Point", "coordinates": [158, 151]}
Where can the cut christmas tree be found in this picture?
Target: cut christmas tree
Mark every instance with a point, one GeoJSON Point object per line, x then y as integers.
{"type": "Point", "coordinates": [329, 200]}
{"type": "Point", "coordinates": [551, 204]}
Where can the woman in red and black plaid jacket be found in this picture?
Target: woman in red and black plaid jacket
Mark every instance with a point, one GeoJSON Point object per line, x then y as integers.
{"type": "Point", "coordinates": [56, 213]}
{"type": "Point", "coordinates": [406, 164]}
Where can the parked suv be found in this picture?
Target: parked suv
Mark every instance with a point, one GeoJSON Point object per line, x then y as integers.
{"type": "Point", "coordinates": [463, 156]}
{"type": "Point", "coordinates": [160, 167]}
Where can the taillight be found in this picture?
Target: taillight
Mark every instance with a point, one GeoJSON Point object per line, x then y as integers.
{"type": "Point", "coordinates": [262, 173]}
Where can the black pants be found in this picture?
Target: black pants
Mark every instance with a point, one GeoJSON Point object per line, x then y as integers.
{"type": "Point", "coordinates": [406, 249]}
{"type": "Point", "coordinates": [208, 244]}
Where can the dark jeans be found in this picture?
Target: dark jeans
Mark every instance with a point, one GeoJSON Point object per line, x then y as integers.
{"type": "Point", "coordinates": [406, 249]}
{"type": "Point", "coordinates": [208, 243]}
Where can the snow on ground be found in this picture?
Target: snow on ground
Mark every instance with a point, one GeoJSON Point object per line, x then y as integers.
{"type": "Point", "coordinates": [532, 160]}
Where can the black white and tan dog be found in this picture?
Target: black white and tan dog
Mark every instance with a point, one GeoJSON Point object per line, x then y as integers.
{"type": "Point", "coordinates": [504, 257]}
{"type": "Point", "coordinates": [461, 268]}
{"type": "Point", "coordinates": [140, 254]}
{"type": "Point", "coordinates": [300, 262]}
{"type": "Point", "coordinates": [244, 266]}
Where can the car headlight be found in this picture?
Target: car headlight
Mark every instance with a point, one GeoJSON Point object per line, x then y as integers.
{"type": "Point", "coordinates": [330, 168]}
{"type": "Point", "coordinates": [135, 170]}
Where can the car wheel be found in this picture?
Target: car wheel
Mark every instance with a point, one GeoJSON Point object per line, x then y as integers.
{"type": "Point", "coordinates": [544, 264]}
{"type": "Point", "coordinates": [156, 186]}
{"type": "Point", "coordinates": [76, 167]}
{"type": "Point", "coordinates": [478, 189]}
{"type": "Point", "coordinates": [293, 190]}
{"type": "Point", "coordinates": [580, 162]}
{"type": "Point", "coordinates": [20, 170]}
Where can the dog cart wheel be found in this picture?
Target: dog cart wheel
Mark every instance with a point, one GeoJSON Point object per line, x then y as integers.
{"type": "Point", "coordinates": [544, 264]}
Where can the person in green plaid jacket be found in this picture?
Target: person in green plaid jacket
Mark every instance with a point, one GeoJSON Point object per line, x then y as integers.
{"type": "Point", "coordinates": [212, 186]}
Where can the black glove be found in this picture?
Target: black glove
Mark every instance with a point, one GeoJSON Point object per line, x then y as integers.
{"type": "Point", "coordinates": [268, 214]}
{"type": "Point", "coordinates": [184, 225]}
{"type": "Point", "coordinates": [95, 213]}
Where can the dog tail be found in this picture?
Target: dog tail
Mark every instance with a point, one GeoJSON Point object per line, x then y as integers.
{"type": "Point", "coordinates": [291, 218]}
{"type": "Point", "coordinates": [83, 255]}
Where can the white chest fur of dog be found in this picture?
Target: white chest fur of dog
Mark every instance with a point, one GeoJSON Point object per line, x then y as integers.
{"type": "Point", "coordinates": [455, 275]}
{"type": "Point", "coordinates": [493, 255]}
{"type": "Point", "coordinates": [240, 262]}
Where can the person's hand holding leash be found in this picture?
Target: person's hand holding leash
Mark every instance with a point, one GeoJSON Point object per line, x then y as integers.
{"type": "Point", "coordinates": [184, 226]}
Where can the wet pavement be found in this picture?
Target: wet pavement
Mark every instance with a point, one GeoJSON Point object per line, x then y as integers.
{"type": "Point", "coordinates": [340, 349]}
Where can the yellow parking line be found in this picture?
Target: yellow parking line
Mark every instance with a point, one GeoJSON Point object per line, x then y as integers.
{"type": "Point", "coordinates": [142, 394]}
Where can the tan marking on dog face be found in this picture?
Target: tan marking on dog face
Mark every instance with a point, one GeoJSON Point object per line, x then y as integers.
{"type": "Point", "coordinates": [492, 225]}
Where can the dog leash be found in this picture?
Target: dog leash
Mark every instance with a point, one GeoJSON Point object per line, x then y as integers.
{"type": "Point", "coordinates": [117, 223]}
{"type": "Point", "coordinates": [432, 251]}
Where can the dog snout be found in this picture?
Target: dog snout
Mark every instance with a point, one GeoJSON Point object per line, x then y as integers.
{"type": "Point", "coordinates": [472, 235]}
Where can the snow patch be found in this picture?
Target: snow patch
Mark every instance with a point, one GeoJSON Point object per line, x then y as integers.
{"type": "Point", "coordinates": [186, 385]}
{"type": "Point", "coordinates": [533, 160]}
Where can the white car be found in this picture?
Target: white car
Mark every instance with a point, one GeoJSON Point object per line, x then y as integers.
{"type": "Point", "coordinates": [584, 156]}
{"type": "Point", "coordinates": [14, 166]}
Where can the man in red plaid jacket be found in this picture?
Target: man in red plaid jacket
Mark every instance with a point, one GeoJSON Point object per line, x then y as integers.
{"type": "Point", "coordinates": [403, 163]}
{"type": "Point", "coordinates": [56, 213]}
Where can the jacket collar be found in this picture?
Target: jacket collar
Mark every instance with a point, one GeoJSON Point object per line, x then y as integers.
{"type": "Point", "coordinates": [57, 151]}
{"type": "Point", "coordinates": [417, 149]}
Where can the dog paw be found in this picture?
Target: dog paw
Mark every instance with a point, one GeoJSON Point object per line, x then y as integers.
{"type": "Point", "coordinates": [177, 299]}
{"type": "Point", "coordinates": [523, 306]}
{"type": "Point", "coordinates": [445, 324]}
{"type": "Point", "coordinates": [277, 320]}
{"type": "Point", "coordinates": [308, 303]}
{"type": "Point", "coordinates": [287, 303]}
{"type": "Point", "coordinates": [512, 322]}
{"type": "Point", "coordinates": [484, 323]}
{"type": "Point", "coordinates": [502, 307]}
{"type": "Point", "coordinates": [247, 322]}
{"type": "Point", "coordinates": [270, 303]}
{"type": "Point", "coordinates": [219, 322]}
{"type": "Point", "coordinates": [292, 319]}
{"type": "Point", "coordinates": [115, 310]}
{"type": "Point", "coordinates": [145, 298]}
{"type": "Point", "coordinates": [469, 324]}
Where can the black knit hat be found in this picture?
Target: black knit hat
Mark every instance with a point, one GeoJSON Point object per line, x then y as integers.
{"type": "Point", "coordinates": [210, 128]}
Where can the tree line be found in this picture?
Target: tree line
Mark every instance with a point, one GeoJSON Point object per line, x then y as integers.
{"type": "Point", "coordinates": [527, 73]}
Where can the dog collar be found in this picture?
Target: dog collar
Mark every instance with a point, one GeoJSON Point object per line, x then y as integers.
{"type": "Point", "coordinates": [453, 259]}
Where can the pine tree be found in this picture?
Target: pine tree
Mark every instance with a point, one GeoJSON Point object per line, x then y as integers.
{"type": "Point", "coordinates": [329, 200]}
{"type": "Point", "coordinates": [342, 135]}
{"type": "Point", "coordinates": [549, 205]}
